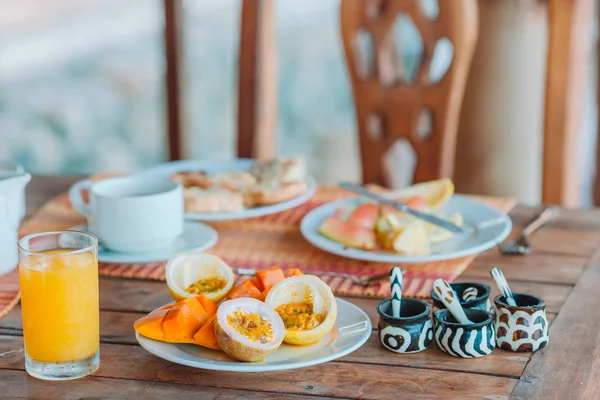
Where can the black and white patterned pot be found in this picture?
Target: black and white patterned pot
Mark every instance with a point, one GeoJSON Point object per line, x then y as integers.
{"type": "Point", "coordinates": [521, 328]}
{"type": "Point", "coordinates": [481, 301]}
{"type": "Point", "coordinates": [465, 340]}
{"type": "Point", "coordinates": [412, 332]}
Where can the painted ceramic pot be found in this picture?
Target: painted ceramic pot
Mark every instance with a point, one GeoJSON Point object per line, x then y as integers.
{"type": "Point", "coordinates": [521, 328]}
{"type": "Point", "coordinates": [465, 340]}
{"type": "Point", "coordinates": [480, 302]}
{"type": "Point", "coordinates": [410, 333]}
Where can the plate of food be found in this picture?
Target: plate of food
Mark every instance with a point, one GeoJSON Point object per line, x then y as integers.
{"type": "Point", "coordinates": [239, 188]}
{"type": "Point", "coordinates": [274, 321]}
{"type": "Point", "coordinates": [365, 230]}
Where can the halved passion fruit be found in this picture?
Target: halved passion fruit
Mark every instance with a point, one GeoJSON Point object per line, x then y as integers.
{"type": "Point", "coordinates": [192, 274]}
{"type": "Point", "coordinates": [247, 329]}
{"type": "Point", "coordinates": [307, 307]}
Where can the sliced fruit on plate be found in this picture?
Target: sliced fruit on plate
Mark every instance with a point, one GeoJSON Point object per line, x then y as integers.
{"type": "Point", "coordinates": [205, 336]}
{"type": "Point", "coordinates": [307, 307]}
{"type": "Point", "coordinates": [191, 274]}
{"type": "Point", "coordinates": [343, 212]}
{"type": "Point", "coordinates": [293, 272]}
{"type": "Point", "coordinates": [364, 215]}
{"type": "Point", "coordinates": [245, 289]}
{"type": "Point", "coordinates": [436, 193]}
{"type": "Point", "coordinates": [437, 234]}
{"type": "Point", "coordinates": [179, 322]}
{"type": "Point", "coordinates": [347, 233]}
{"type": "Point", "coordinates": [411, 239]}
{"type": "Point", "coordinates": [267, 278]}
{"type": "Point", "coordinates": [248, 330]}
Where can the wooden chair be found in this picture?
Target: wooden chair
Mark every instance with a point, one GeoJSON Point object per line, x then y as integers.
{"type": "Point", "coordinates": [257, 94]}
{"type": "Point", "coordinates": [389, 107]}
{"type": "Point", "coordinates": [570, 36]}
{"type": "Point", "coordinates": [387, 110]}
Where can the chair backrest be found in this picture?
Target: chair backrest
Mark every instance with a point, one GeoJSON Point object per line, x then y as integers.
{"type": "Point", "coordinates": [257, 87]}
{"type": "Point", "coordinates": [404, 100]}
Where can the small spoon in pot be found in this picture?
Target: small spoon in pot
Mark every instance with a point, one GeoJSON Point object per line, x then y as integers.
{"type": "Point", "coordinates": [503, 286]}
{"type": "Point", "coordinates": [396, 285]}
{"type": "Point", "coordinates": [448, 297]}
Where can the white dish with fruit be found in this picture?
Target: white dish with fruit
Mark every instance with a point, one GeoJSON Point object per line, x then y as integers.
{"type": "Point", "coordinates": [365, 230]}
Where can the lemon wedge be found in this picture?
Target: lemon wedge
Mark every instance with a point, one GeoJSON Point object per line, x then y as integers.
{"type": "Point", "coordinates": [191, 274]}
{"type": "Point", "coordinates": [436, 193]}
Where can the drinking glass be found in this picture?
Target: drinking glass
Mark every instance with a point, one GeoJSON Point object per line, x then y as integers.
{"type": "Point", "coordinates": [59, 300]}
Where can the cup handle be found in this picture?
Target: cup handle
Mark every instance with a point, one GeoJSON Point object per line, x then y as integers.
{"type": "Point", "coordinates": [77, 200]}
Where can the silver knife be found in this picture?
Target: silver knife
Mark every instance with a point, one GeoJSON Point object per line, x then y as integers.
{"type": "Point", "coordinates": [403, 207]}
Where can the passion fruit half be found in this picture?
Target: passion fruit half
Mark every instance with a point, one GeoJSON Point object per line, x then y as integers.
{"type": "Point", "coordinates": [195, 273]}
{"type": "Point", "coordinates": [248, 330]}
{"type": "Point", "coordinates": [307, 307]}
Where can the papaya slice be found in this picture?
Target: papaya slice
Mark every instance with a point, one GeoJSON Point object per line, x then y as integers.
{"type": "Point", "coordinates": [293, 272]}
{"type": "Point", "coordinates": [180, 324]}
{"type": "Point", "coordinates": [245, 289]}
{"type": "Point", "coordinates": [208, 304]}
{"type": "Point", "coordinates": [200, 313]}
{"type": "Point", "coordinates": [256, 283]}
{"type": "Point", "coordinates": [151, 324]}
{"type": "Point", "coordinates": [206, 335]}
{"type": "Point", "coordinates": [269, 277]}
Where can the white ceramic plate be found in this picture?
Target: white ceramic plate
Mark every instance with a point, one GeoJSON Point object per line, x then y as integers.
{"type": "Point", "coordinates": [196, 237]}
{"type": "Point", "coordinates": [239, 164]}
{"type": "Point", "coordinates": [484, 227]}
{"type": "Point", "coordinates": [352, 330]}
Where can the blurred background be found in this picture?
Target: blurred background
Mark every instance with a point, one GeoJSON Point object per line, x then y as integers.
{"type": "Point", "coordinates": [82, 90]}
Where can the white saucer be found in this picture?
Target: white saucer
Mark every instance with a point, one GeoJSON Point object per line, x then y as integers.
{"type": "Point", "coordinates": [196, 237]}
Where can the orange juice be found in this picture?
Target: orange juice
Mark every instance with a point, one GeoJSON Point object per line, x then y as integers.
{"type": "Point", "coordinates": [59, 297]}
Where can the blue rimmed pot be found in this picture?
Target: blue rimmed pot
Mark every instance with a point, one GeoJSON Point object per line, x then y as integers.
{"type": "Point", "coordinates": [465, 340]}
{"type": "Point", "coordinates": [524, 327]}
{"type": "Point", "coordinates": [481, 302]}
{"type": "Point", "coordinates": [412, 332]}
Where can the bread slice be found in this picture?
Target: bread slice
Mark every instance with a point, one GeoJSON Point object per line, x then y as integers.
{"type": "Point", "coordinates": [196, 179]}
{"type": "Point", "coordinates": [212, 200]}
{"type": "Point", "coordinates": [286, 170]}
{"type": "Point", "coordinates": [268, 193]}
{"type": "Point", "coordinates": [231, 180]}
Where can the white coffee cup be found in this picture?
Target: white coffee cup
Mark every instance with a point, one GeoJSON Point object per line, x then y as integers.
{"type": "Point", "coordinates": [132, 214]}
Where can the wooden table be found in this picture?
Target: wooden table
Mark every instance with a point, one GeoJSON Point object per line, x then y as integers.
{"type": "Point", "coordinates": [564, 269]}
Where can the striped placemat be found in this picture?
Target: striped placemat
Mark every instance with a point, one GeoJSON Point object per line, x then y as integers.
{"type": "Point", "coordinates": [275, 240]}
{"type": "Point", "coordinates": [9, 291]}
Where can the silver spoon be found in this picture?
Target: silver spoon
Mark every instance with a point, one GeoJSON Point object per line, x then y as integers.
{"type": "Point", "coordinates": [503, 286]}
{"type": "Point", "coordinates": [521, 246]}
{"type": "Point", "coordinates": [448, 298]}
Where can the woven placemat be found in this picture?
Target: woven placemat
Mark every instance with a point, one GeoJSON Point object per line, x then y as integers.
{"type": "Point", "coordinates": [275, 240]}
{"type": "Point", "coordinates": [9, 291]}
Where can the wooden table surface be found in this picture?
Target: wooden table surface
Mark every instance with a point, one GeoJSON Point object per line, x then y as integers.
{"type": "Point", "coordinates": [564, 269]}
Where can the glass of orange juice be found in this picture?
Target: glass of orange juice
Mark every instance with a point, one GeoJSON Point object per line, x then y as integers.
{"type": "Point", "coordinates": [59, 300]}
